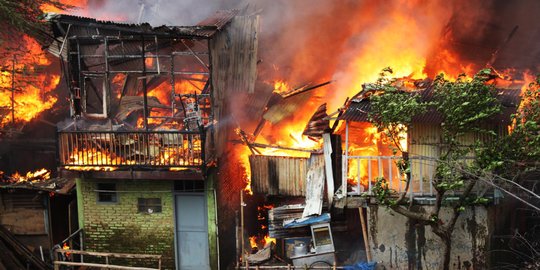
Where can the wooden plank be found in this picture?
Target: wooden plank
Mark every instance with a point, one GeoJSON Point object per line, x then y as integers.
{"type": "Point", "coordinates": [364, 233]}
{"type": "Point", "coordinates": [327, 149]}
{"type": "Point", "coordinates": [314, 186]}
{"type": "Point", "coordinates": [24, 221]}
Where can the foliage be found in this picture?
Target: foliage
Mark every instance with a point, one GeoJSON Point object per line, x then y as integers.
{"type": "Point", "coordinates": [383, 192]}
{"type": "Point", "coordinates": [393, 109]}
{"type": "Point", "coordinates": [518, 152]}
{"type": "Point", "coordinates": [464, 106]}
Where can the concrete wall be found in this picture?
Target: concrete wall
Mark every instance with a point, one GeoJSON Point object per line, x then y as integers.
{"type": "Point", "coordinates": [398, 243]}
{"type": "Point", "coordinates": [119, 227]}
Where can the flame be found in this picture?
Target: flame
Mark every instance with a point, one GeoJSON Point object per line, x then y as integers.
{"type": "Point", "coordinates": [30, 86]}
{"type": "Point", "coordinates": [91, 156]}
{"type": "Point", "coordinates": [268, 239]}
{"type": "Point", "coordinates": [281, 87]}
{"type": "Point", "coordinates": [166, 155]}
{"type": "Point", "coordinates": [39, 175]}
{"type": "Point", "coordinates": [253, 242]}
{"type": "Point", "coordinates": [65, 246]}
{"type": "Point", "coordinates": [75, 4]}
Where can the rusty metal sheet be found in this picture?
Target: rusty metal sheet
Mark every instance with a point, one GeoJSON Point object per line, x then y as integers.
{"type": "Point", "coordinates": [273, 175]}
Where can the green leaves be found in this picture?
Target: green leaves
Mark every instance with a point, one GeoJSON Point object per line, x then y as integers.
{"type": "Point", "coordinates": [391, 108]}
{"type": "Point", "coordinates": [519, 151]}
{"type": "Point", "coordinates": [382, 192]}
{"type": "Point", "coordinates": [465, 104]}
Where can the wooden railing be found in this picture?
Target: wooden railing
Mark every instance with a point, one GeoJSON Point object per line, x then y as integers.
{"type": "Point", "coordinates": [62, 254]}
{"type": "Point", "coordinates": [364, 171]}
{"type": "Point", "coordinates": [81, 150]}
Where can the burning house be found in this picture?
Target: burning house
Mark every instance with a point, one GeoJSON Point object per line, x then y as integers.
{"type": "Point", "coordinates": [147, 128]}
{"type": "Point", "coordinates": [192, 148]}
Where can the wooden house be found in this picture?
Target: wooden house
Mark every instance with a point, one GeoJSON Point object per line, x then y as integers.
{"type": "Point", "coordinates": [147, 129]}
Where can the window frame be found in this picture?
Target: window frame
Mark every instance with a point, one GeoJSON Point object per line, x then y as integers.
{"type": "Point", "coordinates": [101, 190]}
{"type": "Point", "coordinates": [147, 204]}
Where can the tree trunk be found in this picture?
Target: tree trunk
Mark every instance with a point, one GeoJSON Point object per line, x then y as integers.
{"type": "Point", "coordinates": [447, 241]}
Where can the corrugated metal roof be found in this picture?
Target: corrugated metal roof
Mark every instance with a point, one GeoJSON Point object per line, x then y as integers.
{"type": "Point", "coordinates": [205, 29]}
{"type": "Point", "coordinates": [358, 109]}
{"type": "Point", "coordinates": [56, 185]}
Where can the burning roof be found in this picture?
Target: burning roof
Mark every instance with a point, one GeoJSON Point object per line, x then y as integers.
{"type": "Point", "coordinates": [54, 185]}
{"type": "Point", "coordinates": [357, 110]}
{"type": "Point", "coordinates": [204, 29]}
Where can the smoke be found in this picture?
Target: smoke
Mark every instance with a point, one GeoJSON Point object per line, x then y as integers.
{"type": "Point", "coordinates": [351, 41]}
{"type": "Point", "coordinates": [154, 12]}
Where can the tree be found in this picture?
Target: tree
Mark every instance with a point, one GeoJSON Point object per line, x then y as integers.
{"type": "Point", "coordinates": [463, 105]}
{"type": "Point", "coordinates": [22, 59]}
{"type": "Point", "coordinates": [23, 16]}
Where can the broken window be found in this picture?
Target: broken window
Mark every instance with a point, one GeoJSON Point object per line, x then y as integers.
{"type": "Point", "coordinates": [149, 205]}
{"type": "Point", "coordinates": [107, 193]}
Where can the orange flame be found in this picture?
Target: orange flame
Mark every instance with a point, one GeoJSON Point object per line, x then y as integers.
{"type": "Point", "coordinates": [91, 156]}
{"type": "Point", "coordinates": [32, 94]}
{"type": "Point", "coordinates": [39, 175]}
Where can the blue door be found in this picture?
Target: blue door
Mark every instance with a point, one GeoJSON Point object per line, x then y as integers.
{"type": "Point", "coordinates": [191, 232]}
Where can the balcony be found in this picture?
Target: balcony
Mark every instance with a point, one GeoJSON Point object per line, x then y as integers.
{"type": "Point", "coordinates": [361, 173]}
{"type": "Point", "coordinates": [111, 150]}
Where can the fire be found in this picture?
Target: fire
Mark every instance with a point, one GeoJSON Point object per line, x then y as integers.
{"type": "Point", "coordinates": [91, 156]}
{"type": "Point", "coordinates": [253, 242]}
{"type": "Point", "coordinates": [256, 242]}
{"type": "Point", "coordinates": [281, 87]}
{"type": "Point", "coordinates": [193, 84]}
{"type": "Point", "coordinates": [94, 159]}
{"type": "Point", "coordinates": [75, 4]}
{"type": "Point", "coordinates": [268, 239]}
{"type": "Point", "coordinates": [25, 80]}
{"type": "Point", "coordinates": [39, 175]}
{"type": "Point", "coordinates": [65, 246]}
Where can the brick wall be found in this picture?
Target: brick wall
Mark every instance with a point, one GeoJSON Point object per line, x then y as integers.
{"type": "Point", "coordinates": [119, 227]}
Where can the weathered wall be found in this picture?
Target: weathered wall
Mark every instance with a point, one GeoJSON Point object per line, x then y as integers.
{"type": "Point", "coordinates": [118, 227]}
{"type": "Point", "coordinates": [397, 243]}
{"type": "Point", "coordinates": [25, 214]}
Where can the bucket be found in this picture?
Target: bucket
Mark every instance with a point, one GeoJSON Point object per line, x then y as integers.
{"type": "Point", "coordinates": [300, 249]}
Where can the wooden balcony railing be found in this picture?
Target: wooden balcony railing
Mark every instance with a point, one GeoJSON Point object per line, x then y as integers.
{"type": "Point", "coordinates": [362, 172]}
{"type": "Point", "coordinates": [103, 150]}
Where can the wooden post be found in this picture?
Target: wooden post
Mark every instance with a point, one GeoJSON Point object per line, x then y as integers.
{"type": "Point", "coordinates": [242, 225]}
{"type": "Point", "coordinates": [55, 258]}
{"type": "Point", "coordinates": [364, 233]}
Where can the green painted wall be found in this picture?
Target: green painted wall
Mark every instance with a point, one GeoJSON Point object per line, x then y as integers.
{"type": "Point", "coordinates": [118, 227]}
{"type": "Point", "coordinates": [212, 219]}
